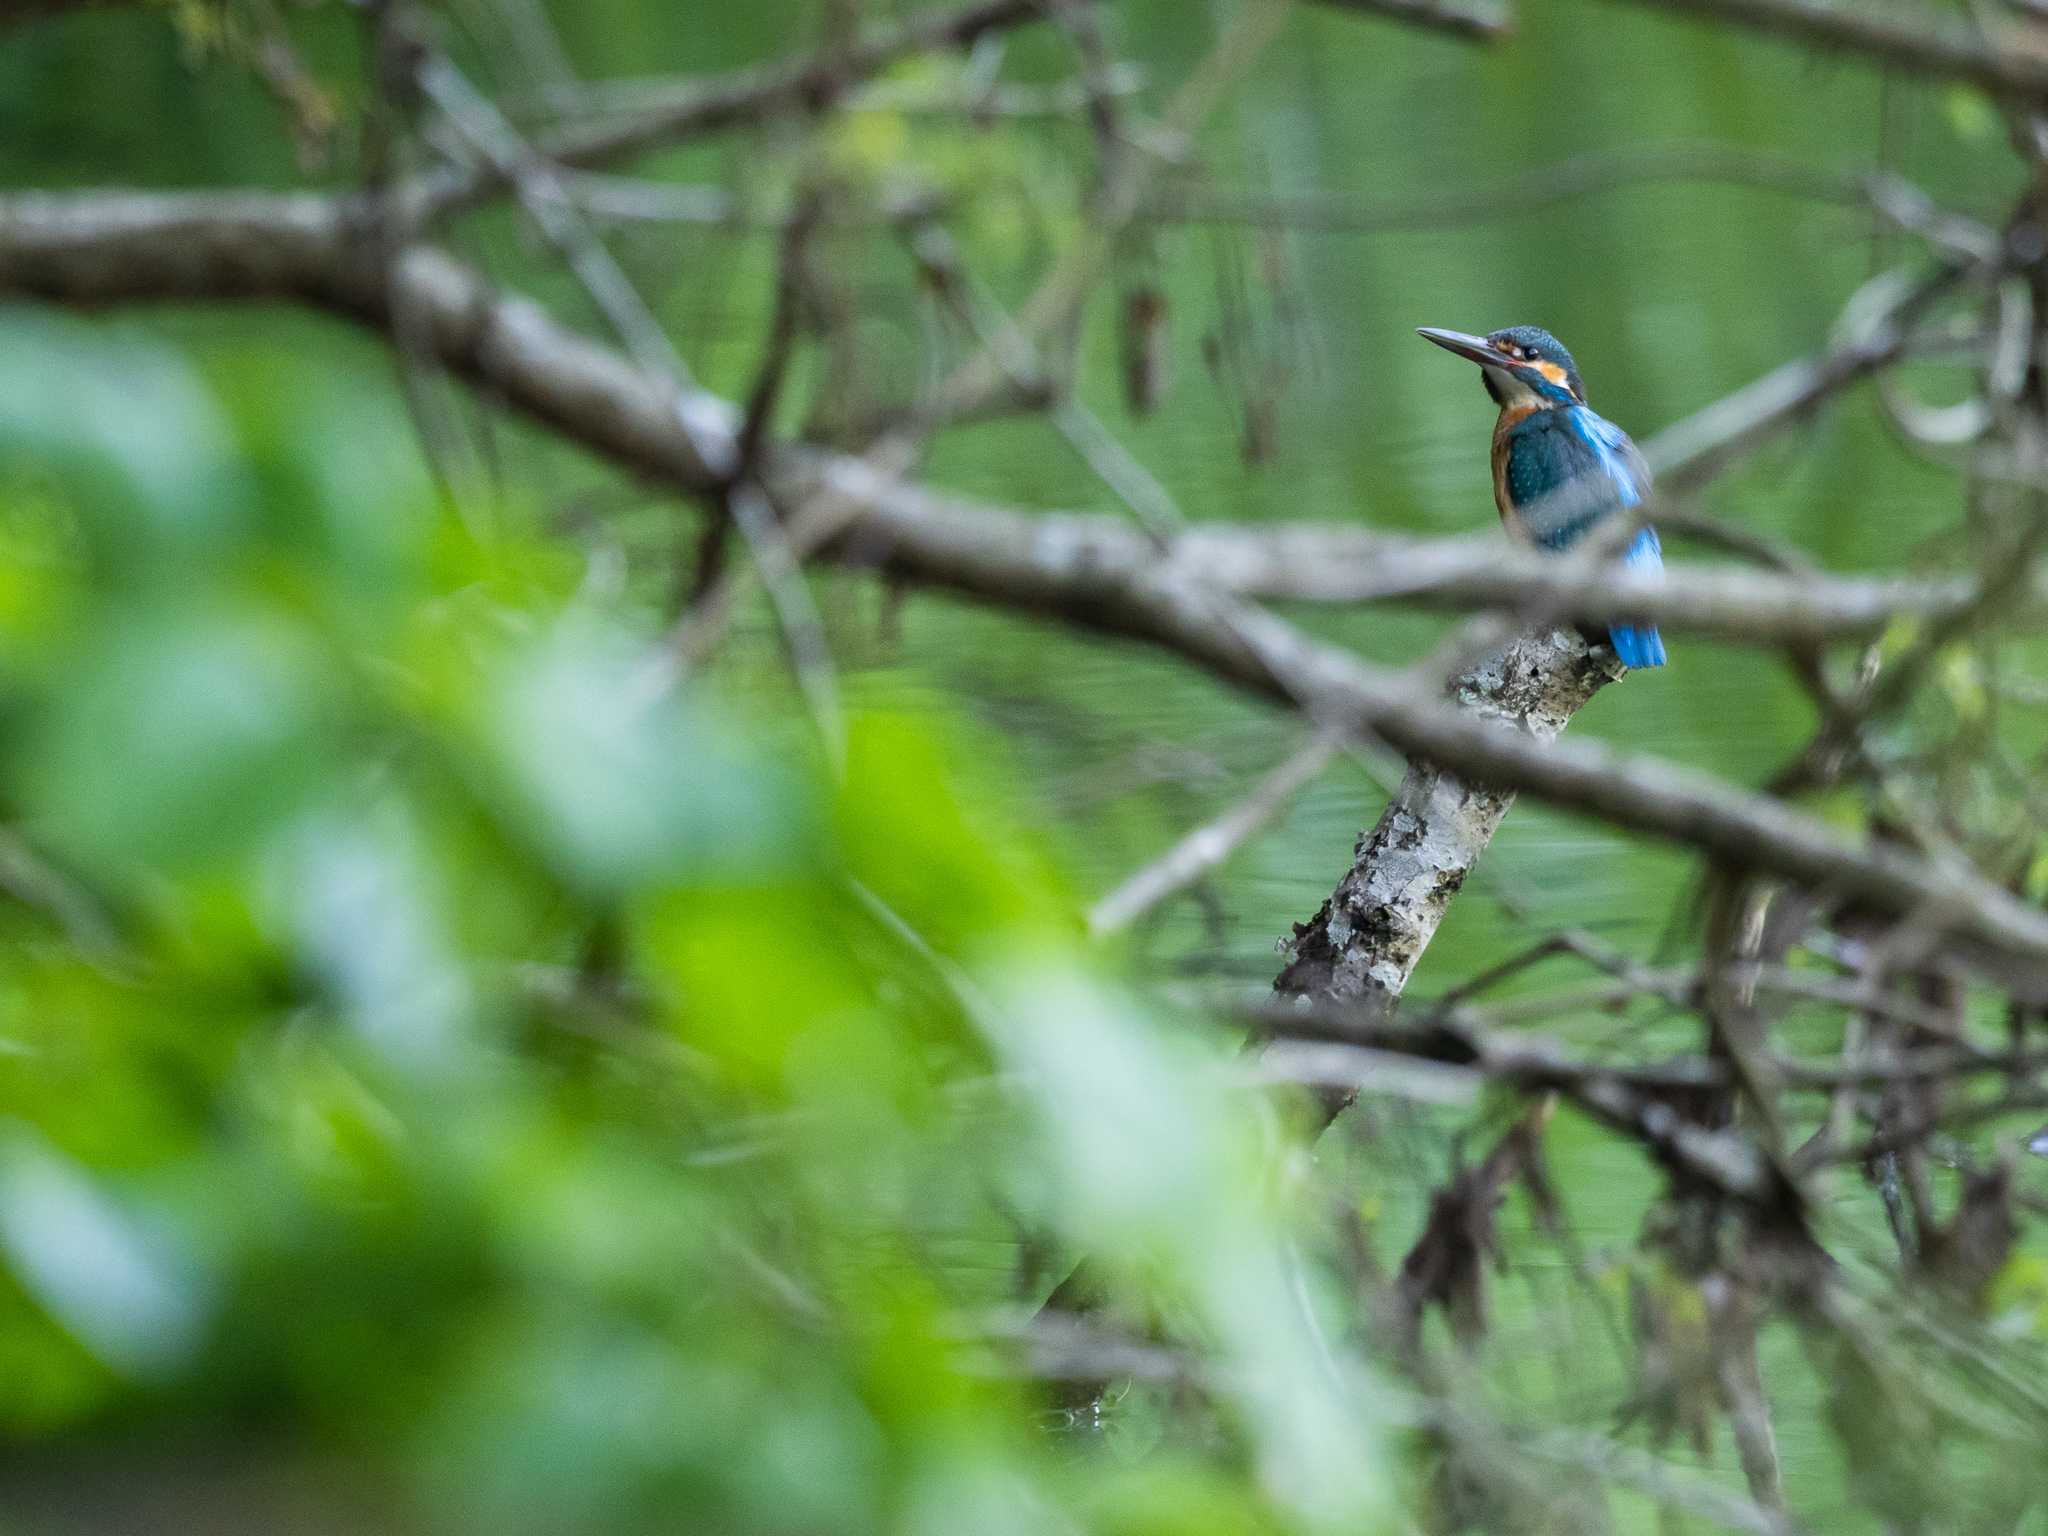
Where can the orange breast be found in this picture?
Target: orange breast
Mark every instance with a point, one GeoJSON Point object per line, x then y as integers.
{"type": "Point", "coordinates": [1510, 417]}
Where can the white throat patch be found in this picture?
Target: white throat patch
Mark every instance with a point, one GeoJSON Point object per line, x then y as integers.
{"type": "Point", "coordinates": [1511, 391]}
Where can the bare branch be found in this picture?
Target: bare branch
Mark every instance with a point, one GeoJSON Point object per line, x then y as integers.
{"type": "Point", "coordinates": [1910, 37]}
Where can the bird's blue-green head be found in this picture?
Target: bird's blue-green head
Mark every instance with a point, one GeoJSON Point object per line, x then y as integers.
{"type": "Point", "coordinates": [1524, 366]}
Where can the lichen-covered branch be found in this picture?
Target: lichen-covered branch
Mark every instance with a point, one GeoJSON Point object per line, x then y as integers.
{"type": "Point", "coordinates": [1364, 943]}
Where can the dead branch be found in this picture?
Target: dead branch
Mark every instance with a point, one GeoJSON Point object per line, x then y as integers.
{"type": "Point", "coordinates": [1446, 1266]}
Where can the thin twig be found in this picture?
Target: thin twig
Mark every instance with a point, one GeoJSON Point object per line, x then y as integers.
{"type": "Point", "coordinates": [1205, 848]}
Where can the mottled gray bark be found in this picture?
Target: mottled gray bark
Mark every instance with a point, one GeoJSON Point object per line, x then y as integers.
{"type": "Point", "coordinates": [1366, 941]}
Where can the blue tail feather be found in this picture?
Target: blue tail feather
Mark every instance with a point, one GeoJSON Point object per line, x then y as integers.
{"type": "Point", "coordinates": [1640, 645]}
{"type": "Point", "coordinates": [1637, 647]}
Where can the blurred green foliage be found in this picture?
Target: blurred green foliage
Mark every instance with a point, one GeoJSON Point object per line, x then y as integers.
{"type": "Point", "coordinates": [436, 1037]}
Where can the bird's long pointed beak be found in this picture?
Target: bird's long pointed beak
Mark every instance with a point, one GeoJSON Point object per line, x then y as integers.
{"type": "Point", "coordinates": [1471, 348]}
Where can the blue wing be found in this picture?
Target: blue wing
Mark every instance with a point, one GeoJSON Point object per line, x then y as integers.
{"type": "Point", "coordinates": [1619, 457]}
{"type": "Point", "coordinates": [1566, 470]}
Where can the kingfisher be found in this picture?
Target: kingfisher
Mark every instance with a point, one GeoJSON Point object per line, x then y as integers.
{"type": "Point", "coordinates": [1558, 467]}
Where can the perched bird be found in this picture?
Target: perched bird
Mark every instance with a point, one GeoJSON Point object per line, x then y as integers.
{"type": "Point", "coordinates": [1558, 468]}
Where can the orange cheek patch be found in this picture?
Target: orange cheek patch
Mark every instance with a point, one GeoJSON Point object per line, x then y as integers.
{"type": "Point", "coordinates": [1552, 372]}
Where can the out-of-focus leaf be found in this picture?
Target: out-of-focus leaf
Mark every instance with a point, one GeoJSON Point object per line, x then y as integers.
{"type": "Point", "coordinates": [356, 896]}
{"type": "Point", "coordinates": [342, 501]}
{"type": "Point", "coordinates": [180, 738]}
{"type": "Point", "coordinates": [1963, 683]}
{"type": "Point", "coordinates": [122, 1290]}
{"type": "Point", "coordinates": [621, 778]}
{"type": "Point", "coordinates": [1173, 1497]}
{"type": "Point", "coordinates": [753, 974]}
{"type": "Point", "coordinates": [1157, 1166]}
{"type": "Point", "coordinates": [961, 872]}
{"type": "Point", "coordinates": [2019, 1295]}
{"type": "Point", "coordinates": [41, 573]}
{"type": "Point", "coordinates": [990, 1498]}
{"type": "Point", "coordinates": [1970, 116]}
{"type": "Point", "coordinates": [122, 424]}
